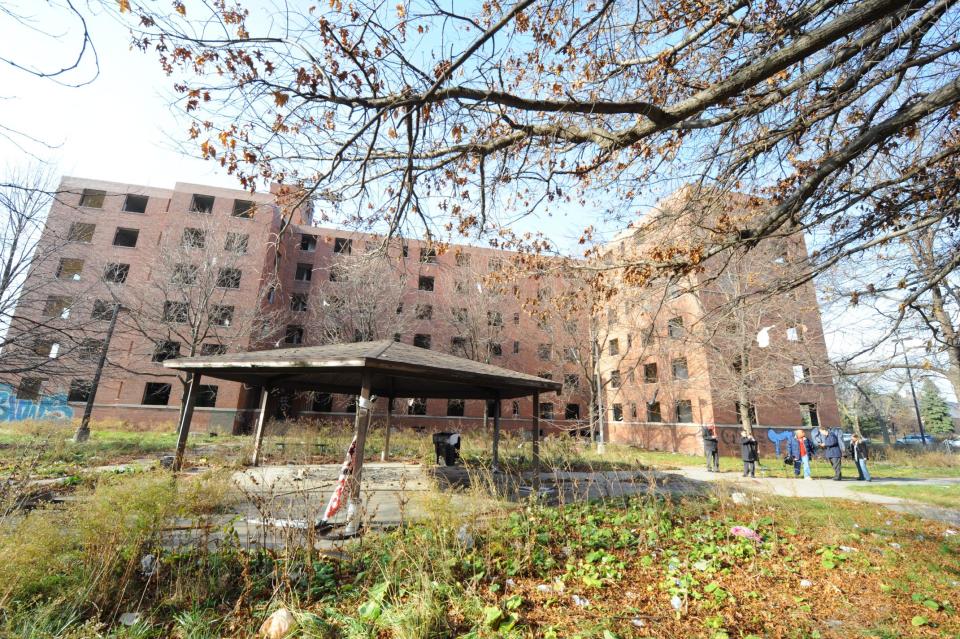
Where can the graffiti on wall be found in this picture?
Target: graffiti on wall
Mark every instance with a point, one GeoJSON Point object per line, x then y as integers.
{"type": "Point", "coordinates": [778, 437]}
{"type": "Point", "coordinates": [13, 409]}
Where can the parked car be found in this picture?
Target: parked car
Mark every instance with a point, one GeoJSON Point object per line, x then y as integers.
{"type": "Point", "coordinates": [915, 440]}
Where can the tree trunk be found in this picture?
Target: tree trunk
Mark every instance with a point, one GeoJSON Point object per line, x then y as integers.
{"type": "Point", "coordinates": [744, 402]}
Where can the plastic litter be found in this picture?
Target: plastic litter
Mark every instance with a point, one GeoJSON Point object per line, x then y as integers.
{"type": "Point", "coordinates": [747, 533]}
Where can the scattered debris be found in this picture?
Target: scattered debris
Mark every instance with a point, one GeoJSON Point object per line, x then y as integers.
{"type": "Point", "coordinates": [581, 602]}
{"type": "Point", "coordinates": [739, 499]}
{"type": "Point", "coordinates": [511, 583]}
{"type": "Point", "coordinates": [895, 545]}
{"type": "Point", "coordinates": [278, 625]}
{"type": "Point", "coordinates": [805, 583]}
{"type": "Point", "coordinates": [544, 588]}
{"type": "Point", "coordinates": [130, 618]}
{"type": "Point", "coordinates": [676, 602]}
{"type": "Point", "coordinates": [747, 533]}
{"type": "Point", "coordinates": [148, 565]}
{"type": "Point", "coordinates": [833, 624]}
{"type": "Point", "coordinates": [166, 461]}
{"type": "Point", "coordinates": [637, 622]}
{"type": "Point", "coordinates": [298, 524]}
{"type": "Point", "coordinates": [949, 532]}
{"type": "Point", "coordinates": [848, 549]}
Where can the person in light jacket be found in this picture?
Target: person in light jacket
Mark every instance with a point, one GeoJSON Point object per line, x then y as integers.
{"type": "Point", "coordinates": [711, 448]}
{"type": "Point", "coordinates": [749, 454]}
{"type": "Point", "coordinates": [860, 454]}
{"type": "Point", "coordinates": [800, 449]}
{"type": "Point", "coordinates": [832, 451]}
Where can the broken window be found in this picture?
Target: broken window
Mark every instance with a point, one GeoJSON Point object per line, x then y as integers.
{"type": "Point", "coordinates": [679, 367]}
{"type": "Point", "coordinates": [546, 410]}
{"type": "Point", "coordinates": [57, 306]}
{"type": "Point", "coordinates": [89, 349]}
{"type": "Point", "coordinates": [650, 373]}
{"type": "Point", "coordinates": [193, 238]}
{"type": "Point", "coordinates": [684, 411]}
{"type": "Point", "coordinates": [135, 203]}
{"type": "Point", "coordinates": [116, 273]}
{"type": "Point", "coordinates": [428, 255]}
{"type": "Point", "coordinates": [229, 278]}
{"type": "Point", "coordinates": [92, 198]}
{"type": "Point", "coordinates": [164, 350]}
{"type": "Point", "coordinates": [294, 334]}
{"type": "Point", "coordinates": [425, 283]}
{"type": "Point", "coordinates": [298, 302]}
{"type": "Point", "coordinates": [675, 327]}
{"type": "Point", "coordinates": [417, 406]}
{"type": "Point", "coordinates": [184, 274]}
{"type": "Point", "coordinates": [516, 347]}
{"type": "Point", "coordinates": [494, 318]}
{"type": "Point", "coordinates": [176, 312]}
{"type": "Point", "coordinates": [243, 208]}
{"type": "Point", "coordinates": [516, 319]}
{"type": "Point", "coordinates": [102, 310]}
{"type": "Point", "coordinates": [237, 243]}
{"type": "Point", "coordinates": [126, 237]}
{"type": "Point", "coordinates": [69, 269]}
{"type": "Point", "coordinates": [221, 315]}
{"type": "Point", "coordinates": [544, 350]}
{"type": "Point", "coordinates": [209, 349]}
{"type": "Point", "coordinates": [201, 203]}
{"type": "Point", "coordinates": [304, 272]}
{"type": "Point", "coordinates": [455, 407]}
{"type": "Point", "coordinates": [795, 333]}
{"type": "Point", "coordinates": [613, 347]}
{"type": "Point", "coordinates": [618, 412]}
{"type": "Point", "coordinates": [29, 388]}
{"type": "Point", "coordinates": [342, 246]}
{"type": "Point", "coordinates": [424, 311]}
{"type": "Point", "coordinates": [571, 411]}
{"type": "Point", "coordinates": [458, 346]}
{"type": "Point", "coordinates": [808, 415]}
{"type": "Point", "coordinates": [308, 242]}
{"type": "Point", "coordinates": [463, 259]}
{"type": "Point", "coordinates": [79, 390]}
{"type": "Point", "coordinates": [515, 408]}
{"type": "Point", "coordinates": [801, 374]}
{"type": "Point", "coordinates": [322, 403]}
{"type": "Point", "coordinates": [81, 232]}
{"type": "Point", "coordinates": [421, 340]}
{"type": "Point", "coordinates": [653, 412]}
{"type": "Point", "coordinates": [459, 314]}
{"type": "Point", "coordinates": [615, 379]}
{"type": "Point", "coordinates": [156, 394]}
{"type": "Point", "coordinates": [495, 349]}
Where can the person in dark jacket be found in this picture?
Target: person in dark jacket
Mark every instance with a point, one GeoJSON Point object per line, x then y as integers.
{"type": "Point", "coordinates": [832, 451]}
{"type": "Point", "coordinates": [711, 447]}
{"type": "Point", "coordinates": [749, 454]}
{"type": "Point", "coordinates": [800, 449]}
{"type": "Point", "coordinates": [860, 454]}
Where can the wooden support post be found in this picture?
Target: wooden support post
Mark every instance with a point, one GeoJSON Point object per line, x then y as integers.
{"type": "Point", "coordinates": [261, 421]}
{"type": "Point", "coordinates": [496, 434]}
{"type": "Point", "coordinates": [535, 427]}
{"type": "Point", "coordinates": [185, 418]}
{"type": "Point", "coordinates": [361, 424]}
{"type": "Point", "coordinates": [386, 434]}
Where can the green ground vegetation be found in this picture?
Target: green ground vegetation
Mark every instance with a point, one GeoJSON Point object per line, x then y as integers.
{"type": "Point", "coordinates": [947, 496]}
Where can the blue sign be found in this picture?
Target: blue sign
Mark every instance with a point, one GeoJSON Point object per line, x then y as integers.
{"type": "Point", "coordinates": [47, 407]}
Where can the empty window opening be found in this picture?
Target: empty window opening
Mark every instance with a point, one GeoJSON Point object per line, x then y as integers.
{"type": "Point", "coordinates": [201, 204]}
{"type": "Point", "coordinates": [184, 274]}
{"type": "Point", "coordinates": [135, 203]}
{"type": "Point", "coordinates": [194, 238]}
{"type": "Point", "coordinates": [494, 318]}
{"type": "Point", "coordinates": [515, 409]}
{"type": "Point", "coordinates": [79, 390]}
{"type": "Point", "coordinates": [615, 380]}
{"type": "Point", "coordinates": [463, 259]}
{"type": "Point", "coordinates": [495, 349]}
{"type": "Point", "coordinates": [613, 347]}
{"type": "Point", "coordinates": [516, 347]}
{"type": "Point", "coordinates": [237, 243]}
{"type": "Point", "coordinates": [571, 411]}
{"type": "Point", "coordinates": [424, 311]}
{"type": "Point", "coordinates": [684, 411]}
{"type": "Point", "coordinates": [417, 406]}
{"type": "Point", "coordinates": [116, 273]}
{"type": "Point", "coordinates": [428, 255]}
{"type": "Point", "coordinates": [308, 242]}
{"type": "Point", "coordinates": [801, 374]}
{"type": "Point", "coordinates": [243, 208]}
{"type": "Point", "coordinates": [90, 349]}
{"type": "Point", "coordinates": [165, 350]}
{"type": "Point", "coordinates": [809, 416]}
{"type": "Point", "coordinates": [455, 407]}
{"type": "Point", "coordinates": [342, 246]}
{"type": "Point", "coordinates": [29, 388]}
{"type": "Point", "coordinates": [679, 367]}
{"type": "Point", "coordinates": [298, 302]}
{"type": "Point", "coordinates": [650, 373]}
{"type": "Point", "coordinates": [156, 394]}
{"type": "Point", "coordinates": [618, 412]}
{"type": "Point", "coordinates": [421, 340]}
{"type": "Point", "coordinates": [425, 283]}
{"type": "Point", "coordinates": [304, 272]}
{"type": "Point", "coordinates": [546, 410]}
{"type": "Point", "coordinates": [675, 327]}
{"type": "Point", "coordinates": [102, 310]}
{"type": "Point", "coordinates": [126, 237]}
{"type": "Point", "coordinates": [207, 396]}
{"type": "Point", "coordinates": [229, 278]}
{"type": "Point", "coordinates": [221, 315]}
{"type": "Point", "coordinates": [322, 403]}
{"type": "Point", "coordinates": [653, 412]}
{"type": "Point", "coordinates": [213, 349]}
{"type": "Point", "coordinates": [294, 334]}
{"type": "Point", "coordinates": [176, 312]}
{"type": "Point", "coordinates": [57, 306]}
{"type": "Point", "coordinates": [544, 351]}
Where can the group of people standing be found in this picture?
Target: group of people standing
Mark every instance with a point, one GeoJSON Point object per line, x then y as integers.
{"type": "Point", "coordinates": [800, 450]}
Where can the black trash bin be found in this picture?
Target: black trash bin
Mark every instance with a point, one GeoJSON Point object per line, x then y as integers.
{"type": "Point", "coordinates": [446, 446]}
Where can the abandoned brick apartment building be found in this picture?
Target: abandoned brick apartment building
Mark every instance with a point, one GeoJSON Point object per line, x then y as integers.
{"type": "Point", "coordinates": [145, 247]}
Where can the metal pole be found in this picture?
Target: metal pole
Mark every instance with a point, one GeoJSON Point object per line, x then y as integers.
{"type": "Point", "coordinates": [601, 443]}
{"type": "Point", "coordinates": [83, 431]}
{"type": "Point", "coordinates": [361, 424]}
{"type": "Point", "coordinates": [913, 393]}
{"type": "Point", "coordinates": [261, 420]}
{"type": "Point", "coordinates": [535, 427]}
{"type": "Point", "coordinates": [496, 434]}
{"type": "Point", "coordinates": [185, 418]}
{"type": "Point", "coordinates": [386, 434]}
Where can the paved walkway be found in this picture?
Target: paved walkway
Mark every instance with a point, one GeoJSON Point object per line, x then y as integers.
{"type": "Point", "coordinates": [829, 489]}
